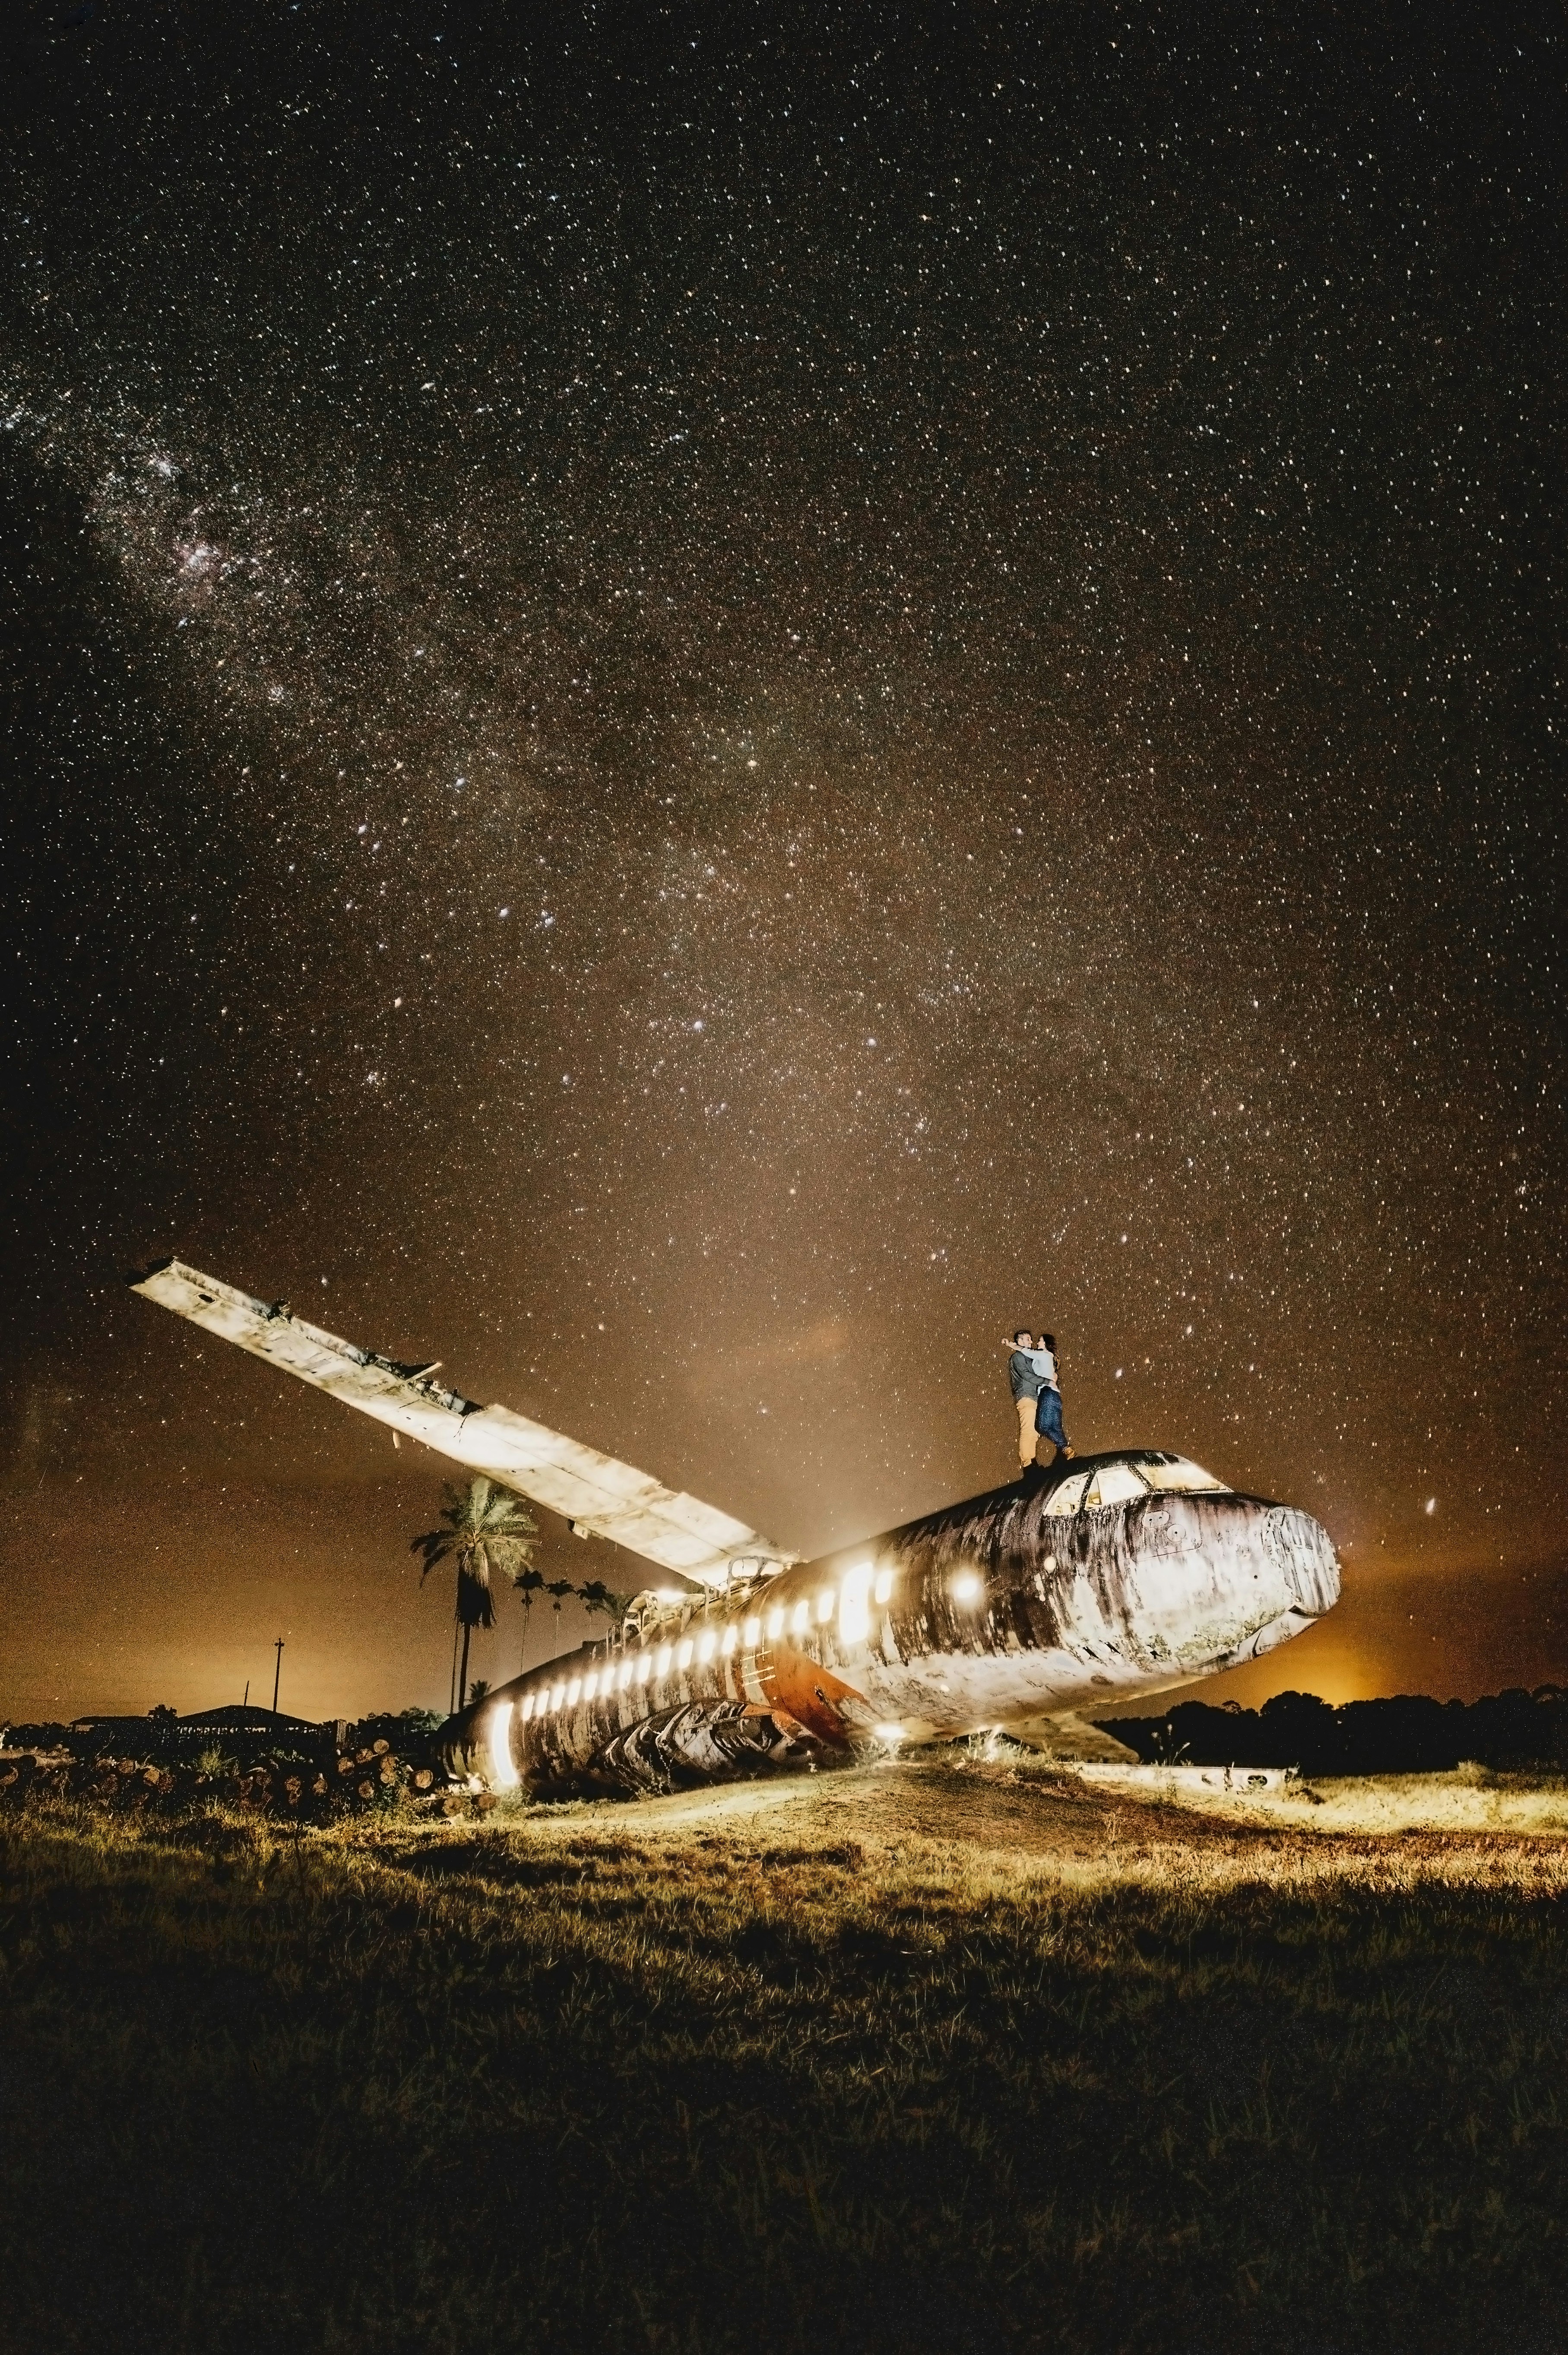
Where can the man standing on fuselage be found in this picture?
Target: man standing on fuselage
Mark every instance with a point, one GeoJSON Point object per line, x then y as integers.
{"type": "Point", "coordinates": [1025, 1376]}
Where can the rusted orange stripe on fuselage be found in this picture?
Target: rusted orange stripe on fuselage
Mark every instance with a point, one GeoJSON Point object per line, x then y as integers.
{"type": "Point", "coordinates": [810, 1693]}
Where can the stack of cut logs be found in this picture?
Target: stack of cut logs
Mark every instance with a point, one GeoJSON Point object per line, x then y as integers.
{"type": "Point", "coordinates": [371, 1779]}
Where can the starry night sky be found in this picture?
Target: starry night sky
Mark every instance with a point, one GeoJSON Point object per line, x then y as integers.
{"type": "Point", "coordinates": [699, 706]}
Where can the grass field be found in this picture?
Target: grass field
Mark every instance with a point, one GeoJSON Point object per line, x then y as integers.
{"type": "Point", "coordinates": [945, 2056]}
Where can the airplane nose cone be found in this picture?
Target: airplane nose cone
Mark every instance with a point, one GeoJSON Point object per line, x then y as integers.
{"type": "Point", "coordinates": [1302, 1550]}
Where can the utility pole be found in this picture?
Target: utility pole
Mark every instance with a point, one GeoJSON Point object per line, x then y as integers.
{"type": "Point", "coordinates": [277, 1673]}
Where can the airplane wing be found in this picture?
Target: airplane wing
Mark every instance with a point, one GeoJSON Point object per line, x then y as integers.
{"type": "Point", "coordinates": [598, 1495]}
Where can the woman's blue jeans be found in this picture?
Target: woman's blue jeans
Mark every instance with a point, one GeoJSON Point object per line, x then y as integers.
{"type": "Point", "coordinates": [1048, 1417]}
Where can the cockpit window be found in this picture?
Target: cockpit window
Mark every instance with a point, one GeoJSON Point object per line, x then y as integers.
{"type": "Point", "coordinates": [1130, 1476]}
{"type": "Point", "coordinates": [1069, 1496]}
{"type": "Point", "coordinates": [1113, 1483]}
{"type": "Point", "coordinates": [1176, 1472]}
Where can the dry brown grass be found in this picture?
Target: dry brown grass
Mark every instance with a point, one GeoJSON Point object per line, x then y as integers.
{"type": "Point", "coordinates": [957, 2057]}
{"type": "Point", "coordinates": [1468, 1802]}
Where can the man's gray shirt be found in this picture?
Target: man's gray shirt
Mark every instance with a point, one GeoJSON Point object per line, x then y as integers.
{"type": "Point", "coordinates": [1026, 1382]}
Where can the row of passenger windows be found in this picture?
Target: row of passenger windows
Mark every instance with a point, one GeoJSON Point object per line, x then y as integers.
{"type": "Point", "coordinates": [851, 1601]}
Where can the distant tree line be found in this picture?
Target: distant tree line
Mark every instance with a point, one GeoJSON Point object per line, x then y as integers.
{"type": "Point", "coordinates": [1411, 1735]}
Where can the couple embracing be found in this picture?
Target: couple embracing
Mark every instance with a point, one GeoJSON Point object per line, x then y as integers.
{"type": "Point", "coordinates": [1037, 1392]}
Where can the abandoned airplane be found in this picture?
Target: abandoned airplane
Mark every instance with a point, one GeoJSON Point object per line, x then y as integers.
{"type": "Point", "coordinates": [1114, 1576]}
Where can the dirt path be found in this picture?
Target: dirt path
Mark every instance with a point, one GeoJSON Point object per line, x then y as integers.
{"type": "Point", "coordinates": [998, 1818]}
{"type": "Point", "coordinates": [982, 1809]}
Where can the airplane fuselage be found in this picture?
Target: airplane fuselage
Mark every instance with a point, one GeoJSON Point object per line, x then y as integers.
{"type": "Point", "coordinates": [1016, 1605]}
{"type": "Point", "coordinates": [1114, 1576]}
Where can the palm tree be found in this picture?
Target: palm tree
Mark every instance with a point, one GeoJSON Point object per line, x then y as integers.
{"type": "Point", "coordinates": [528, 1583]}
{"type": "Point", "coordinates": [486, 1529]}
{"type": "Point", "coordinates": [597, 1596]}
{"type": "Point", "coordinates": [557, 1587]}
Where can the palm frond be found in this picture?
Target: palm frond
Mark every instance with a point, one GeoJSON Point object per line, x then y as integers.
{"type": "Point", "coordinates": [434, 1547]}
{"type": "Point", "coordinates": [597, 1596]}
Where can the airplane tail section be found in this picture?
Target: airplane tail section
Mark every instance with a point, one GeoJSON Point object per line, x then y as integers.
{"type": "Point", "coordinates": [598, 1494]}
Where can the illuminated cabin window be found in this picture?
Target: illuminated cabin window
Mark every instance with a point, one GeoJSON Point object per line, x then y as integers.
{"type": "Point", "coordinates": [528, 1708]}
{"type": "Point", "coordinates": [825, 1603]}
{"type": "Point", "coordinates": [968, 1588]}
{"type": "Point", "coordinates": [800, 1617]}
{"type": "Point", "coordinates": [751, 1634]}
{"type": "Point", "coordinates": [557, 1694]}
{"type": "Point", "coordinates": [574, 1690]}
{"type": "Point", "coordinates": [884, 1585]}
{"type": "Point", "coordinates": [731, 1637]}
{"type": "Point", "coordinates": [623, 1674]}
{"type": "Point", "coordinates": [707, 1644]}
{"type": "Point", "coordinates": [684, 1652]}
{"type": "Point", "coordinates": [854, 1604]}
{"type": "Point", "coordinates": [645, 1667]}
{"type": "Point", "coordinates": [661, 1665]}
{"type": "Point", "coordinates": [775, 1620]}
{"type": "Point", "coordinates": [1179, 1476]}
{"type": "Point", "coordinates": [590, 1685]}
{"type": "Point", "coordinates": [503, 1773]}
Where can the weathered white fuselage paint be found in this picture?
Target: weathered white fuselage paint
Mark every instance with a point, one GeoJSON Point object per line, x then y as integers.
{"type": "Point", "coordinates": [994, 1612]}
